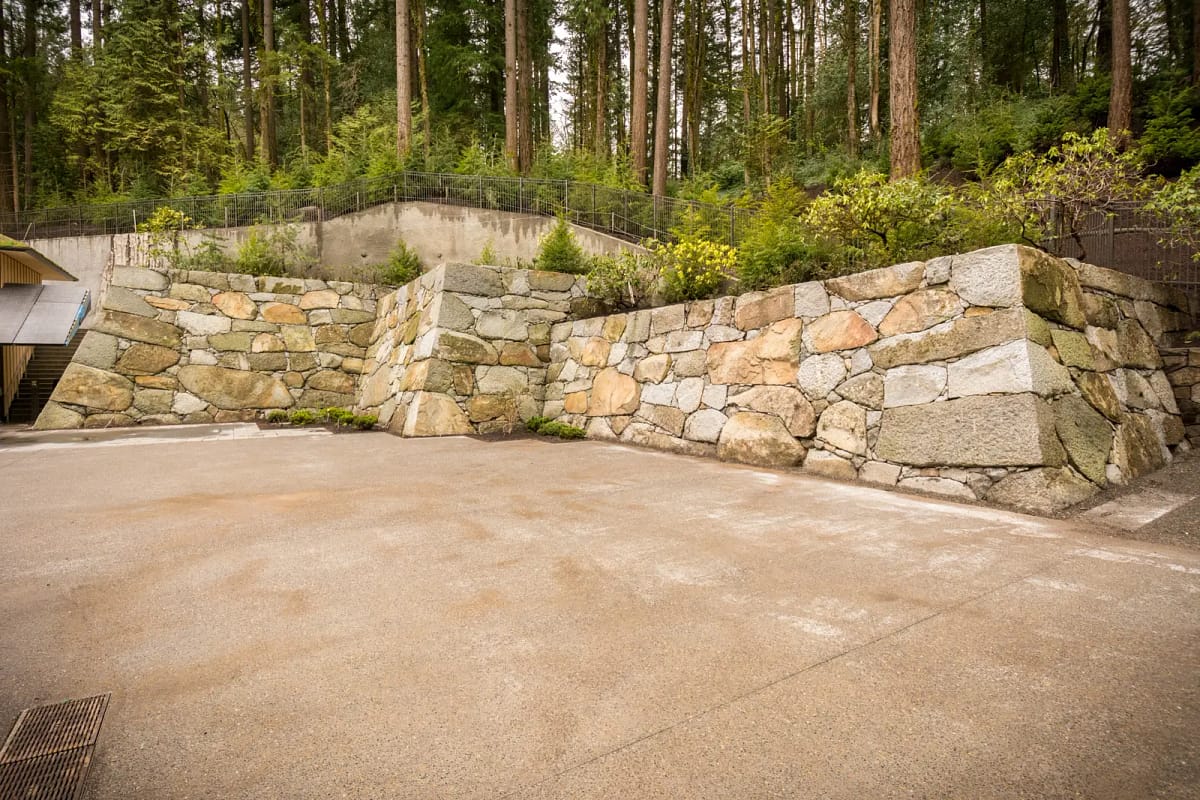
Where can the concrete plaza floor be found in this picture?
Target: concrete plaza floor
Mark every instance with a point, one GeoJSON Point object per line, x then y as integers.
{"type": "Point", "coordinates": [362, 616]}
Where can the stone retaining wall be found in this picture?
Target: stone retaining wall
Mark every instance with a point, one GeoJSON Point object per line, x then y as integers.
{"type": "Point", "coordinates": [1002, 374]}
{"type": "Point", "coordinates": [175, 346]}
{"type": "Point", "coordinates": [464, 349]}
{"type": "Point", "coordinates": [1182, 365]}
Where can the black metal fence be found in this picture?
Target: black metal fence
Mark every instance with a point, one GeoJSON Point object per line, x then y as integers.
{"type": "Point", "coordinates": [630, 215]}
{"type": "Point", "coordinates": [1122, 236]}
{"type": "Point", "coordinates": [1125, 237]}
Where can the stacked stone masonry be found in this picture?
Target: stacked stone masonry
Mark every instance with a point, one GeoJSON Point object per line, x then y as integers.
{"type": "Point", "coordinates": [172, 346]}
{"type": "Point", "coordinates": [1182, 365]}
{"type": "Point", "coordinates": [1003, 374]}
{"type": "Point", "coordinates": [464, 349]}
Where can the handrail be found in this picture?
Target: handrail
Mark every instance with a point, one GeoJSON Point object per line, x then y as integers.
{"type": "Point", "coordinates": [629, 215]}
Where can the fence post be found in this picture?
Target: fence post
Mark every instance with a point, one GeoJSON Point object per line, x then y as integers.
{"type": "Point", "coordinates": [480, 191]}
{"type": "Point", "coordinates": [520, 193]}
{"type": "Point", "coordinates": [566, 204]}
{"type": "Point", "coordinates": [595, 215]}
{"type": "Point", "coordinates": [732, 243]}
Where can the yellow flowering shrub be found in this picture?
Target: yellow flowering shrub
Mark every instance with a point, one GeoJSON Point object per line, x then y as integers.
{"type": "Point", "coordinates": [693, 268]}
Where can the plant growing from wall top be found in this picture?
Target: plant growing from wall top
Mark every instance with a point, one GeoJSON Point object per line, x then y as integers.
{"type": "Point", "coordinates": [403, 266]}
{"type": "Point", "coordinates": [558, 251]}
{"type": "Point", "coordinates": [162, 229]}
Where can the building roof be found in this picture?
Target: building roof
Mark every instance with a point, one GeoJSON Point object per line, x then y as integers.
{"type": "Point", "coordinates": [26, 256]}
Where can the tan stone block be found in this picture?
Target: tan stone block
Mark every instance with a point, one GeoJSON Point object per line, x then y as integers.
{"type": "Point", "coordinates": [283, 314]}
{"type": "Point", "coordinates": [236, 305]}
{"type": "Point", "coordinates": [320, 298]}
{"type": "Point", "coordinates": [839, 330]}
{"type": "Point", "coordinates": [575, 403]}
{"type": "Point", "coordinates": [950, 340]}
{"type": "Point", "coordinates": [86, 386]}
{"type": "Point", "coordinates": [758, 309]}
{"type": "Point", "coordinates": [168, 303]}
{"type": "Point", "coordinates": [887, 282]}
{"type": "Point", "coordinates": [233, 389]}
{"type": "Point", "coordinates": [771, 358]}
{"type": "Point", "coordinates": [652, 369]}
{"type": "Point", "coordinates": [613, 394]}
{"type": "Point", "coordinates": [760, 439]}
{"type": "Point", "coordinates": [920, 310]}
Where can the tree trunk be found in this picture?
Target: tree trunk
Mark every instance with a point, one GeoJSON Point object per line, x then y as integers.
{"type": "Point", "coordinates": [269, 144]}
{"type": "Point", "coordinates": [512, 147]}
{"type": "Point", "coordinates": [662, 117]}
{"type": "Point", "coordinates": [1196, 42]}
{"type": "Point", "coordinates": [76, 24]}
{"type": "Point", "coordinates": [1060, 70]}
{"type": "Point", "coordinates": [31, 96]}
{"type": "Point", "coordinates": [1104, 37]}
{"type": "Point", "coordinates": [524, 87]}
{"type": "Point", "coordinates": [810, 70]}
{"type": "Point", "coordinates": [873, 48]}
{"type": "Point", "coordinates": [403, 82]}
{"type": "Point", "coordinates": [902, 88]}
{"type": "Point", "coordinates": [639, 108]}
{"type": "Point", "coordinates": [97, 23]}
{"type": "Point", "coordinates": [851, 78]}
{"type": "Point", "coordinates": [247, 81]}
{"type": "Point", "coordinates": [422, 75]}
{"type": "Point", "coordinates": [326, 88]}
{"type": "Point", "coordinates": [600, 127]}
{"type": "Point", "coordinates": [6, 181]}
{"type": "Point", "coordinates": [1120, 102]}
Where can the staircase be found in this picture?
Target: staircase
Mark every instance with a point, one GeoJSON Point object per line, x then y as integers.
{"type": "Point", "coordinates": [41, 376]}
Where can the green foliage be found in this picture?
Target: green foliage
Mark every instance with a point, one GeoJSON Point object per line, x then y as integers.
{"type": "Point", "coordinates": [558, 251]}
{"type": "Point", "coordinates": [693, 268]}
{"type": "Point", "coordinates": [488, 256]}
{"type": "Point", "coordinates": [1179, 202]}
{"type": "Point", "coordinates": [1081, 175]}
{"type": "Point", "coordinates": [272, 251]}
{"type": "Point", "coordinates": [544, 426]}
{"type": "Point", "coordinates": [1172, 136]}
{"type": "Point", "coordinates": [403, 266]}
{"type": "Point", "coordinates": [304, 416]}
{"type": "Point", "coordinates": [162, 230]}
{"type": "Point", "coordinates": [623, 281]}
{"type": "Point", "coordinates": [364, 422]}
{"type": "Point", "coordinates": [779, 248]}
{"type": "Point", "coordinates": [336, 415]}
{"type": "Point", "coordinates": [562, 430]}
{"type": "Point", "coordinates": [873, 222]}
{"type": "Point", "coordinates": [277, 415]}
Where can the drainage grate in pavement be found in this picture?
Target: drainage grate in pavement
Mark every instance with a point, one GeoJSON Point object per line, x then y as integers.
{"type": "Point", "coordinates": [49, 750]}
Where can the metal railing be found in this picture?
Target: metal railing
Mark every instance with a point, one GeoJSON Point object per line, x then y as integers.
{"type": "Point", "coordinates": [1122, 236]}
{"type": "Point", "coordinates": [629, 215]}
{"type": "Point", "coordinates": [1125, 237]}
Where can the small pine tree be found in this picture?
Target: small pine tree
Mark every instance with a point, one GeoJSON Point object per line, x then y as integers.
{"type": "Point", "coordinates": [559, 252]}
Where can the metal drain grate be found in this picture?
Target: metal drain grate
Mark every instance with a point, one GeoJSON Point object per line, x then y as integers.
{"type": "Point", "coordinates": [49, 750]}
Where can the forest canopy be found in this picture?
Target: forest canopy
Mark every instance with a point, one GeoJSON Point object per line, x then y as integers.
{"type": "Point", "coordinates": [148, 98]}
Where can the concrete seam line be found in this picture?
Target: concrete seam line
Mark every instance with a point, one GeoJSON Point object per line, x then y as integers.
{"type": "Point", "coordinates": [816, 664]}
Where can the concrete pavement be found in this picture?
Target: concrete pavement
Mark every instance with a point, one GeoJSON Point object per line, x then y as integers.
{"type": "Point", "coordinates": [365, 616]}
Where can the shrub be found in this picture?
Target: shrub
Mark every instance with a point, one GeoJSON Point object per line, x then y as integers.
{"type": "Point", "coordinates": [488, 256]}
{"type": "Point", "coordinates": [562, 430]}
{"type": "Point", "coordinates": [1179, 203]}
{"type": "Point", "coordinates": [303, 416]}
{"type": "Point", "coordinates": [559, 252]}
{"type": "Point", "coordinates": [534, 424]}
{"type": "Point", "coordinates": [779, 248]}
{"type": "Point", "coordinates": [625, 280]}
{"type": "Point", "coordinates": [364, 422]}
{"type": "Point", "coordinates": [403, 266]}
{"type": "Point", "coordinates": [693, 268]}
{"type": "Point", "coordinates": [338, 416]}
{"type": "Point", "coordinates": [275, 252]}
{"type": "Point", "coordinates": [277, 415]}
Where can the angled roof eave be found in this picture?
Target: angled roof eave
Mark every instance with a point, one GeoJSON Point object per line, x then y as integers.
{"type": "Point", "coordinates": [26, 256]}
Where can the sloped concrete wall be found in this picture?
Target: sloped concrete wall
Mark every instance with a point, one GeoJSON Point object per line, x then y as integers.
{"type": "Point", "coordinates": [1003, 374]}
{"type": "Point", "coordinates": [349, 246]}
